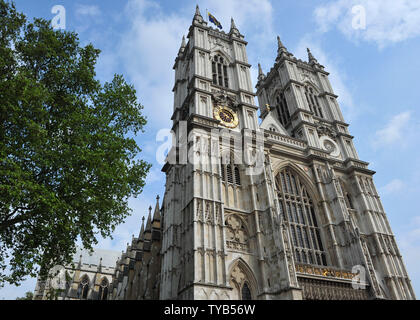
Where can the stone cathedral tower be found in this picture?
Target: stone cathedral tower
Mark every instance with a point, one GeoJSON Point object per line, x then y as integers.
{"type": "Point", "coordinates": [309, 225]}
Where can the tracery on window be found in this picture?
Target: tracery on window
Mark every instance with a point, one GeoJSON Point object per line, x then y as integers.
{"type": "Point", "coordinates": [219, 71]}
{"type": "Point", "coordinates": [313, 101]}
{"type": "Point", "coordinates": [282, 109]}
{"type": "Point", "coordinates": [84, 287]}
{"type": "Point", "coordinates": [103, 289]}
{"type": "Point", "coordinates": [296, 207]}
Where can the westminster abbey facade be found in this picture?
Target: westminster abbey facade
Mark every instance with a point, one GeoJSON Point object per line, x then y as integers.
{"type": "Point", "coordinates": [276, 208]}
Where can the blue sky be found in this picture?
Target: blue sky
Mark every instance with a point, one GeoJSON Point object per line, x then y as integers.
{"type": "Point", "coordinates": [374, 70]}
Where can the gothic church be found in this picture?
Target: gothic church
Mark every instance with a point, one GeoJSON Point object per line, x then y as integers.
{"type": "Point", "coordinates": [308, 225]}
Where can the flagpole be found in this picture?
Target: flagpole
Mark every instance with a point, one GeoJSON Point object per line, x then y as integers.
{"type": "Point", "coordinates": [207, 16]}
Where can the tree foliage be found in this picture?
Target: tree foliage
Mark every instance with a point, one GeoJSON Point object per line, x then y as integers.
{"type": "Point", "coordinates": [28, 296]}
{"type": "Point", "coordinates": [68, 162]}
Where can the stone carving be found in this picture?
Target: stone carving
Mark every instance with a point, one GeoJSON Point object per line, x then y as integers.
{"type": "Point", "coordinates": [209, 213]}
{"type": "Point", "coordinates": [236, 234]}
{"type": "Point", "coordinates": [325, 130]}
{"type": "Point", "coordinates": [237, 275]}
{"type": "Point", "coordinates": [324, 272]}
{"type": "Point", "coordinates": [224, 99]}
{"type": "Point", "coordinates": [328, 290]}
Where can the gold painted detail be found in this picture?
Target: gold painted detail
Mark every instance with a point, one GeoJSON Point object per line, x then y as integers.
{"type": "Point", "coordinates": [324, 272]}
{"type": "Point", "coordinates": [226, 116]}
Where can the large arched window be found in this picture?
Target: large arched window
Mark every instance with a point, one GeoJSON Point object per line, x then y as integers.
{"type": "Point", "coordinates": [220, 72]}
{"type": "Point", "coordinates": [313, 101]}
{"type": "Point", "coordinates": [103, 289]}
{"type": "Point", "coordinates": [296, 206]}
{"type": "Point", "coordinates": [84, 287]}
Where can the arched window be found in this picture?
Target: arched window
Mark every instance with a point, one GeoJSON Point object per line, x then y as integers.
{"type": "Point", "coordinates": [230, 173]}
{"type": "Point", "coordinates": [282, 109]}
{"type": "Point", "coordinates": [84, 288]}
{"type": "Point", "coordinates": [313, 101]}
{"type": "Point", "coordinates": [219, 70]}
{"type": "Point", "coordinates": [246, 292]}
{"type": "Point", "coordinates": [296, 206]}
{"type": "Point", "coordinates": [103, 289]}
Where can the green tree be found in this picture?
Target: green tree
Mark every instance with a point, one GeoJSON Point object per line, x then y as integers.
{"type": "Point", "coordinates": [28, 296]}
{"type": "Point", "coordinates": [68, 160]}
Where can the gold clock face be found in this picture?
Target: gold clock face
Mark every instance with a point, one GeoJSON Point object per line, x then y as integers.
{"type": "Point", "coordinates": [226, 116]}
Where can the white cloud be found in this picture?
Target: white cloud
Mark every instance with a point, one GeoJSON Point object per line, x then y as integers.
{"type": "Point", "coordinates": [387, 21]}
{"type": "Point", "coordinates": [87, 10]}
{"type": "Point", "coordinates": [392, 187]}
{"type": "Point", "coordinates": [394, 131]}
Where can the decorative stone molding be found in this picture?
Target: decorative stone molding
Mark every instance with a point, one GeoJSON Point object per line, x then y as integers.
{"type": "Point", "coordinates": [325, 130]}
{"type": "Point", "coordinates": [324, 272]}
{"type": "Point", "coordinates": [327, 290]}
{"type": "Point", "coordinates": [237, 237]}
{"type": "Point", "coordinates": [225, 99]}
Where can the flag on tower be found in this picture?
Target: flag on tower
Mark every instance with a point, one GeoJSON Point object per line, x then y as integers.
{"type": "Point", "coordinates": [214, 20]}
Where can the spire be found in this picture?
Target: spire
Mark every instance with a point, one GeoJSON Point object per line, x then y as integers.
{"type": "Point", "coordinates": [149, 221]}
{"type": "Point", "coordinates": [311, 58]}
{"type": "Point", "coordinates": [280, 47]}
{"type": "Point", "coordinates": [182, 47]}
{"type": "Point", "coordinates": [197, 11]}
{"type": "Point", "coordinates": [141, 235]}
{"type": "Point", "coordinates": [79, 265]}
{"type": "Point", "coordinates": [261, 74]}
{"type": "Point", "coordinates": [100, 265]}
{"type": "Point", "coordinates": [232, 24]}
{"type": "Point", "coordinates": [156, 214]}
{"type": "Point", "coordinates": [197, 16]}
{"type": "Point", "coordinates": [233, 29]}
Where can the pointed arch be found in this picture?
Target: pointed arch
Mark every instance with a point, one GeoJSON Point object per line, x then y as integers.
{"type": "Point", "coordinates": [223, 54]}
{"type": "Point", "coordinates": [103, 289]}
{"type": "Point", "coordinates": [313, 85]}
{"type": "Point", "coordinates": [313, 99]}
{"type": "Point", "coordinates": [84, 286]}
{"type": "Point", "coordinates": [240, 276]}
{"type": "Point", "coordinates": [310, 186]}
{"type": "Point", "coordinates": [220, 68]}
{"type": "Point", "coordinates": [297, 206]}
